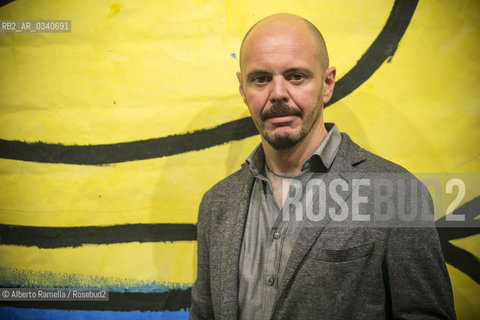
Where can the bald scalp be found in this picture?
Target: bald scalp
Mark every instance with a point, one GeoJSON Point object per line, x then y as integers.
{"type": "Point", "coordinates": [287, 18]}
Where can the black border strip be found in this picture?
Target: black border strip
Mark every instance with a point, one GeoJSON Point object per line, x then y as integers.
{"type": "Point", "coordinates": [61, 237]}
{"type": "Point", "coordinates": [173, 300]}
{"type": "Point", "coordinates": [381, 49]}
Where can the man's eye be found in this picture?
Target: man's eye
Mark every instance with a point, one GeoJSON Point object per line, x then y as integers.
{"type": "Point", "coordinates": [260, 79]}
{"type": "Point", "coordinates": [297, 77]}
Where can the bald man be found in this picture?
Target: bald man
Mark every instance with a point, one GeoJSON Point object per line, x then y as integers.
{"type": "Point", "coordinates": [266, 250]}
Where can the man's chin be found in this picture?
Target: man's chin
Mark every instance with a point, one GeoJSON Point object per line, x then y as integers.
{"type": "Point", "coordinates": [282, 142]}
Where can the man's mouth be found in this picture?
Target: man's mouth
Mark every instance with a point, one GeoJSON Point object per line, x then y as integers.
{"type": "Point", "coordinates": [280, 113]}
{"type": "Point", "coordinates": [282, 119]}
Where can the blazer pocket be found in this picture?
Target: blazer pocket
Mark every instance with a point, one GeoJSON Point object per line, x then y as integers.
{"type": "Point", "coordinates": [353, 253]}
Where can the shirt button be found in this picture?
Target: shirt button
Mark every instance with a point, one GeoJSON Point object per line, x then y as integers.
{"type": "Point", "coordinates": [270, 281]}
{"type": "Point", "coordinates": [276, 235]}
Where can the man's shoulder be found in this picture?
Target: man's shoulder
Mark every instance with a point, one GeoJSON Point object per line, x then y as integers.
{"type": "Point", "coordinates": [233, 183]}
{"type": "Point", "coordinates": [366, 161]}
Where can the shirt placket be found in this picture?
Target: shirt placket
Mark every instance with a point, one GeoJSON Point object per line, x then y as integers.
{"type": "Point", "coordinates": [275, 237]}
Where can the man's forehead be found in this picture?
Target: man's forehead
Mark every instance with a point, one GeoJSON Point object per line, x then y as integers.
{"type": "Point", "coordinates": [278, 21]}
{"type": "Point", "coordinates": [279, 54]}
{"type": "Point", "coordinates": [280, 32]}
{"type": "Point", "coordinates": [275, 31]}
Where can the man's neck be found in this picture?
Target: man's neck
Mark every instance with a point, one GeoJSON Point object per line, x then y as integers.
{"type": "Point", "coordinates": [289, 161]}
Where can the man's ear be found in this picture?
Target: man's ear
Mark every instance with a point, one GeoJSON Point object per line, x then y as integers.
{"type": "Point", "coordinates": [240, 87]}
{"type": "Point", "coordinates": [328, 83]}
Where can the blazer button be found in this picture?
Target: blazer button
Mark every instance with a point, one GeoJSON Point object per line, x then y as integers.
{"type": "Point", "coordinates": [270, 281]}
{"type": "Point", "coordinates": [276, 235]}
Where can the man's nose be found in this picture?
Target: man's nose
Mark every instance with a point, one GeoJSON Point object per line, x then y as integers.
{"type": "Point", "coordinates": [279, 90]}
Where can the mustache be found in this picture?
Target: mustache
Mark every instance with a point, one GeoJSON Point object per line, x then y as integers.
{"type": "Point", "coordinates": [280, 109]}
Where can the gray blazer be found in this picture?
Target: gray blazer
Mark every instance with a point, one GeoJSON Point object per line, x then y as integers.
{"type": "Point", "coordinates": [332, 272]}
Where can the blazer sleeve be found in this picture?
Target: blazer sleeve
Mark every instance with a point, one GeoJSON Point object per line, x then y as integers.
{"type": "Point", "coordinates": [201, 305]}
{"type": "Point", "coordinates": [418, 281]}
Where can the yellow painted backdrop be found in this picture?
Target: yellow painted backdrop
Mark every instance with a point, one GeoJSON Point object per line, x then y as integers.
{"type": "Point", "coordinates": [132, 71]}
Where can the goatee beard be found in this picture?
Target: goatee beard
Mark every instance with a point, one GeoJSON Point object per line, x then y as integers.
{"type": "Point", "coordinates": [283, 143]}
{"type": "Point", "coordinates": [279, 109]}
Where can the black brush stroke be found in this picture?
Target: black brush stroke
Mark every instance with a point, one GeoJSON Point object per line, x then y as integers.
{"type": "Point", "coordinates": [381, 49]}
{"type": "Point", "coordinates": [58, 237]}
{"type": "Point", "coordinates": [451, 230]}
{"type": "Point", "coordinates": [462, 260]}
{"type": "Point", "coordinates": [173, 300]}
{"type": "Point", "coordinates": [5, 2]}
{"type": "Point", "coordinates": [128, 151]}
{"type": "Point", "coordinates": [61, 237]}
{"type": "Point", "coordinates": [469, 210]}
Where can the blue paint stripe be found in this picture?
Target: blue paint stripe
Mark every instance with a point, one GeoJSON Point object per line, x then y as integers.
{"type": "Point", "coordinates": [49, 314]}
{"type": "Point", "coordinates": [11, 277]}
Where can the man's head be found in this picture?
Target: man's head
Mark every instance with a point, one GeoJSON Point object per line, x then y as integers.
{"type": "Point", "coordinates": [284, 78]}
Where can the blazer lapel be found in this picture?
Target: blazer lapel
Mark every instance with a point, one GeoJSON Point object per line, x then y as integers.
{"type": "Point", "coordinates": [233, 230]}
{"type": "Point", "coordinates": [341, 168]}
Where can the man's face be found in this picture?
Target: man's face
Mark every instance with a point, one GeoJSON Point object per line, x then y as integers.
{"type": "Point", "coordinates": [282, 84]}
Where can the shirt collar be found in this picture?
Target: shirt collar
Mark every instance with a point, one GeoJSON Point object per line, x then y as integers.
{"type": "Point", "coordinates": [320, 160]}
{"type": "Point", "coordinates": [256, 160]}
